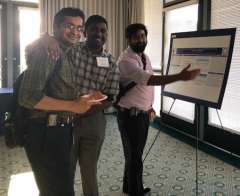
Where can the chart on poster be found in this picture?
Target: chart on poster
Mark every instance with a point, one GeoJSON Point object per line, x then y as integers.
{"type": "Point", "coordinates": [211, 52]}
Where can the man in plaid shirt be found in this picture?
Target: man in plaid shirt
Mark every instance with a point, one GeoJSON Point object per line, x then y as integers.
{"type": "Point", "coordinates": [49, 94]}
{"type": "Point", "coordinates": [95, 70]}
{"type": "Point", "coordinates": [54, 92]}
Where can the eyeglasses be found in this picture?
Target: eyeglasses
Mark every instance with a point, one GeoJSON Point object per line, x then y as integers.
{"type": "Point", "coordinates": [73, 27]}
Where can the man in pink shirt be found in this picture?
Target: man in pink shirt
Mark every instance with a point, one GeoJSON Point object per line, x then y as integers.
{"type": "Point", "coordinates": [135, 107]}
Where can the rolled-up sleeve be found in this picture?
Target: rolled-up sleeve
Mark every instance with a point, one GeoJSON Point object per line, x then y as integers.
{"type": "Point", "coordinates": [39, 67]}
{"type": "Point", "coordinates": [129, 70]}
{"type": "Point", "coordinates": [112, 84]}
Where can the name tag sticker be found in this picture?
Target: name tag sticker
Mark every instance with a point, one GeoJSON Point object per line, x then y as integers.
{"type": "Point", "coordinates": [102, 62]}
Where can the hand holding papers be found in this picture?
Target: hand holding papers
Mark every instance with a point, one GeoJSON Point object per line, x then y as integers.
{"type": "Point", "coordinates": [93, 101]}
{"type": "Point", "coordinates": [97, 97]}
{"type": "Point", "coordinates": [82, 104]}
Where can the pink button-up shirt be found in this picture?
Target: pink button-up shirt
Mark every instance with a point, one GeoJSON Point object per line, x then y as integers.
{"type": "Point", "coordinates": [131, 69]}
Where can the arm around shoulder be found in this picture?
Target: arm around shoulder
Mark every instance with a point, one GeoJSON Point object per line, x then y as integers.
{"type": "Point", "coordinates": [39, 67]}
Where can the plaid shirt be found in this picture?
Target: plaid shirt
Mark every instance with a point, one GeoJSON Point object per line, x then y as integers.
{"type": "Point", "coordinates": [89, 76]}
{"type": "Point", "coordinates": [62, 79]}
{"type": "Point", "coordinates": [45, 76]}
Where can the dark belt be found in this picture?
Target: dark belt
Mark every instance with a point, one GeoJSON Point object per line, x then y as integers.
{"type": "Point", "coordinates": [54, 119]}
{"type": "Point", "coordinates": [132, 111]}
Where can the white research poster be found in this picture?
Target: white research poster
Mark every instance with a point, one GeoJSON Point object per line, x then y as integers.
{"type": "Point", "coordinates": [208, 53]}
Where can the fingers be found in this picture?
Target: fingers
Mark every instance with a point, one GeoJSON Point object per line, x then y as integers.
{"type": "Point", "coordinates": [54, 50]}
{"type": "Point", "coordinates": [52, 47]}
{"type": "Point", "coordinates": [194, 73]}
{"type": "Point", "coordinates": [53, 54]}
{"type": "Point", "coordinates": [187, 67]}
{"type": "Point", "coordinates": [86, 98]}
{"type": "Point", "coordinates": [83, 104]}
{"type": "Point", "coordinates": [93, 102]}
{"type": "Point", "coordinates": [152, 116]}
{"type": "Point", "coordinates": [90, 100]}
{"type": "Point", "coordinates": [189, 75]}
{"type": "Point", "coordinates": [197, 71]}
{"type": "Point", "coordinates": [96, 94]}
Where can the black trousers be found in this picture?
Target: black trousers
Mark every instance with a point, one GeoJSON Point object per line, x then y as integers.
{"type": "Point", "coordinates": [49, 150]}
{"type": "Point", "coordinates": [134, 132]}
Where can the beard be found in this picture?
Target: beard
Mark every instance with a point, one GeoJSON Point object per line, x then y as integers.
{"type": "Point", "coordinates": [138, 47]}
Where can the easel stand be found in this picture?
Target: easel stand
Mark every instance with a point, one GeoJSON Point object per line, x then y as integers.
{"type": "Point", "coordinates": [197, 141]}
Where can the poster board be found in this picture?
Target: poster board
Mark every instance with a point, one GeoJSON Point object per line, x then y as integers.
{"type": "Point", "coordinates": [211, 52]}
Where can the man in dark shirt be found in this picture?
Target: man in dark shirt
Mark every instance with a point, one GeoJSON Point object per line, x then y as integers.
{"type": "Point", "coordinates": [92, 71]}
{"type": "Point", "coordinates": [49, 92]}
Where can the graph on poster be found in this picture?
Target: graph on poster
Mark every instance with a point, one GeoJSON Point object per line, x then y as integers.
{"type": "Point", "coordinates": [211, 52]}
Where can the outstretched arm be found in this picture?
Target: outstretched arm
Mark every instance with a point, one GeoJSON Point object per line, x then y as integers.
{"type": "Point", "coordinates": [184, 75]}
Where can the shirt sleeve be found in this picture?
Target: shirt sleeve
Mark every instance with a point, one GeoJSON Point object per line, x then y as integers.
{"type": "Point", "coordinates": [112, 84]}
{"type": "Point", "coordinates": [39, 67]}
{"type": "Point", "coordinates": [130, 70]}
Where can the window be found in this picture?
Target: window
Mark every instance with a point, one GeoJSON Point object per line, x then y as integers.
{"type": "Point", "coordinates": [179, 20]}
{"type": "Point", "coordinates": [225, 14]}
{"type": "Point", "coordinates": [28, 1]}
{"type": "Point", "coordinates": [153, 21]}
{"type": "Point", "coordinates": [29, 30]}
{"type": "Point", "coordinates": [22, 23]}
{"type": "Point", "coordinates": [169, 1]}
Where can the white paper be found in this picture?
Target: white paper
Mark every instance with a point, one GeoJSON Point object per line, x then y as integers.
{"type": "Point", "coordinates": [102, 62]}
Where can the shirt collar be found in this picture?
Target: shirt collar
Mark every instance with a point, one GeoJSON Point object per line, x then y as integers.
{"type": "Point", "coordinates": [64, 47]}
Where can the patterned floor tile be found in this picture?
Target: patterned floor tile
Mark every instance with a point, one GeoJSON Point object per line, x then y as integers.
{"type": "Point", "coordinates": [169, 168]}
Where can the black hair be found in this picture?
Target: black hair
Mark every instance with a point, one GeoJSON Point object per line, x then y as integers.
{"type": "Point", "coordinates": [95, 19]}
{"type": "Point", "coordinates": [133, 28]}
{"type": "Point", "coordinates": [68, 11]}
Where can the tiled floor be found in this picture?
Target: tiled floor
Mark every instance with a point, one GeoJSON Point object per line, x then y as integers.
{"type": "Point", "coordinates": [169, 169]}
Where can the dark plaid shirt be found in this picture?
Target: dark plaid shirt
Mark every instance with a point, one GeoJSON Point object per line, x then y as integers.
{"type": "Point", "coordinates": [65, 79]}
{"type": "Point", "coordinates": [45, 76]}
{"type": "Point", "coordinates": [89, 76]}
